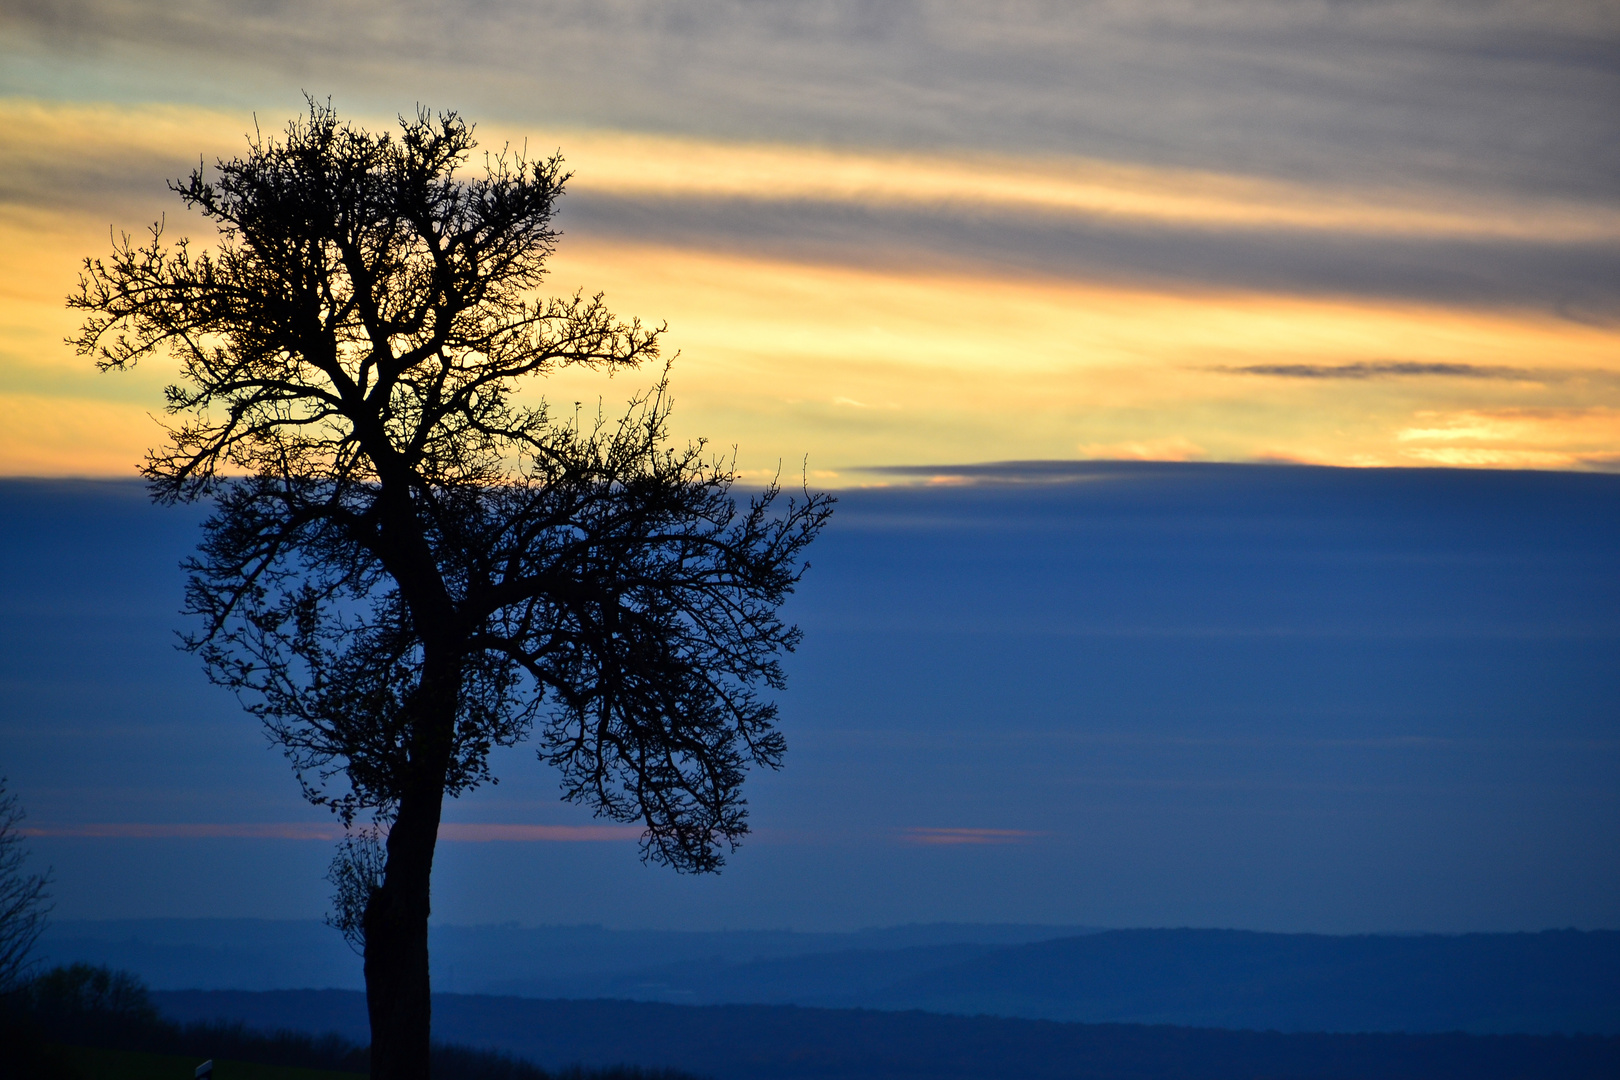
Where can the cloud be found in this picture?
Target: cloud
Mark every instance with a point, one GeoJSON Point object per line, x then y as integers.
{"type": "Point", "coordinates": [103, 160]}
{"type": "Point", "coordinates": [1385, 369]}
{"type": "Point", "coordinates": [1048, 185]}
{"type": "Point", "coordinates": [1175, 448]}
{"type": "Point", "coordinates": [192, 831]}
{"type": "Point", "coordinates": [935, 837]}
{"type": "Point", "coordinates": [1525, 438]}
{"type": "Point", "coordinates": [472, 832]}
{"type": "Point", "coordinates": [1569, 279]}
{"type": "Point", "coordinates": [1308, 456]}
{"type": "Point", "coordinates": [453, 832]}
{"type": "Point", "coordinates": [1017, 304]}
{"type": "Point", "coordinates": [1009, 472]}
{"type": "Point", "coordinates": [986, 365]}
{"type": "Point", "coordinates": [1388, 92]}
{"type": "Point", "coordinates": [970, 211]}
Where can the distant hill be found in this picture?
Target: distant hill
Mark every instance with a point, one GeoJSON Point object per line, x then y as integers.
{"type": "Point", "coordinates": [1562, 981]}
{"type": "Point", "coordinates": [1553, 982]}
{"type": "Point", "coordinates": [208, 954]}
{"type": "Point", "coordinates": [853, 978]}
{"type": "Point", "coordinates": [540, 961]}
{"type": "Point", "coordinates": [1556, 981]}
{"type": "Point", "coordinates": [767, 1042]}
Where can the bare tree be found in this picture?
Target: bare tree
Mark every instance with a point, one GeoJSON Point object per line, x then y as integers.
{"type": "Point", "coordinates": [407, 566]}
{"type": "Point", "coordinates": [24, 903]}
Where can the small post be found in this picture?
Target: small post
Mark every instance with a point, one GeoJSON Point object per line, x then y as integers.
{"type": "Point", "coordinates": [205, 1071]}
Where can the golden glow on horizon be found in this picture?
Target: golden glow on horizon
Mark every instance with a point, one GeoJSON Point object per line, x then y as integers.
{"type": "Point", "coordinates": [861, 367]}
{"type": "Point", "coordinates": [868, 367]}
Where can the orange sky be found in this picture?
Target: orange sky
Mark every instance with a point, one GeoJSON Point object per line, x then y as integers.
{"type": "Point", "coordinates": [896, 357]}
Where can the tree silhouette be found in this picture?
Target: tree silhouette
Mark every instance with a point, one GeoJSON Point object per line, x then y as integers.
{"type": "Point", "coordinates": [407, 566]}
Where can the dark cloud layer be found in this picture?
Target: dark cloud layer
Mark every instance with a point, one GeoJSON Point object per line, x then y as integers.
{"type": "Point", "coordinates": [1496, 100]}
{"type": "Point", "coordinates": [1512, 95]}
{"type": "Point", "coordinates": [1572, 279]}
{"type": "Point", "coordinates": [1378, 370]}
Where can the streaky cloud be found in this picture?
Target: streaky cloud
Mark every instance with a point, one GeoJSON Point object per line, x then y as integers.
{"type": "Point", "coordinates": [1063, 217]}
{"type": "Point", "coordinates": [950, 837]}
{"type": "Point", "coordinates": [483, 833]}
{"type": "Point", "coordinates": [1398, 368]}
{"type": "Point", "coordinates": [1045, 472]}
{"type": "Point", "coordinates": [1052, 185]}
{"type": "Point", "coordinates": [1508, 96]}
{"type": "Point", "coordinates": [453, 832]}
{"type": "Point", "coordinates": [1566, 278]}
{"type": "Point", "coordinates": [128, 830]}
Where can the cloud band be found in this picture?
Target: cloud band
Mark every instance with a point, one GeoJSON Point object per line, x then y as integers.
{"type": "Point", "coordinates": [453, 832]}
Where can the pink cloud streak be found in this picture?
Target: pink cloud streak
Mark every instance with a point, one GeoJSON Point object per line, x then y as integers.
{"type": "Point", "coordinates": [968, 836]}
{"type": "Point", "coordinates": [453, 832]}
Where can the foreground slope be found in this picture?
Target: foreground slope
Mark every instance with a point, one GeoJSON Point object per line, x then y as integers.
{"type": "Point", "coordinates": [762, 1042]}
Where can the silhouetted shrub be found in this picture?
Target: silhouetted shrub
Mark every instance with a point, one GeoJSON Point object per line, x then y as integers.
{"type": "Point", "coordinates": [81, 1005]}
{"type": "Point", "coordinates": [24, 1053]}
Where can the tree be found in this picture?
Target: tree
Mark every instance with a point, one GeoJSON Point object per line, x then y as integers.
{"type": "Point", "coordinates": [24, 903]}
{"type": "Point", "coordinates": [406, 565]}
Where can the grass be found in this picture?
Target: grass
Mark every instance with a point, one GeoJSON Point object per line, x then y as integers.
{"type": "Point", "coordinates": [134, 1065]}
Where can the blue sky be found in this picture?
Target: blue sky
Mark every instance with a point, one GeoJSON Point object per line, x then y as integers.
{"type": "Point", "coordinates": [1278, 698]}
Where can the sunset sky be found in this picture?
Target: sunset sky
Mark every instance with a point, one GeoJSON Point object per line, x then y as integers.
{"type": "Point", "coordinates": [897, 241]}
{"type": "Point", "coordinates": [901, 233]}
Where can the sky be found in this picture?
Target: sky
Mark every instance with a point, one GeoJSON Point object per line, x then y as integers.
{"type": "Point", "coordinates": [899, 241]}
{"type": "Point", "coordinates": [1109, 694]}
{"type": "Point", "coordinates": [927, 231]}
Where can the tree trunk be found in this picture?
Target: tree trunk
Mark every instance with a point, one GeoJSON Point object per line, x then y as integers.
{"type": "Point", "coordinates": [398, 990]}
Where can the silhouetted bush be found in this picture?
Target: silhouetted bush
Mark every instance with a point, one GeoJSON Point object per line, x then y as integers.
{"type": "Point", "coordinates": [81, 1005]}
{"type": "Point", "coordinates": [24, 1053]}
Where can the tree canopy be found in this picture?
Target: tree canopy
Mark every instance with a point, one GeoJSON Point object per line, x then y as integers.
{"type": "Point", "coordinates": [410, 562]}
